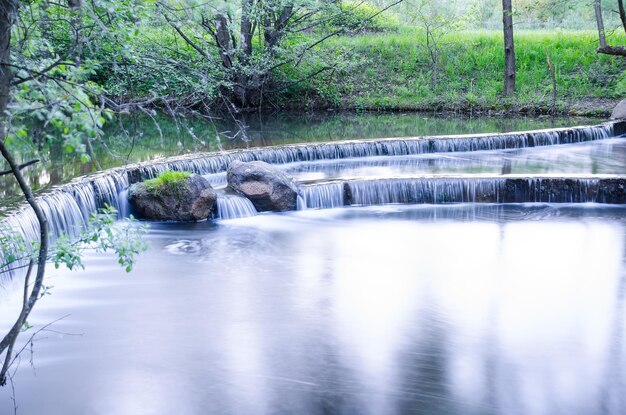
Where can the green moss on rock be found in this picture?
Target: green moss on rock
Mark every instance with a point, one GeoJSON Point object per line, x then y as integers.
{"type": "Point", "coordinates": [173, 181]}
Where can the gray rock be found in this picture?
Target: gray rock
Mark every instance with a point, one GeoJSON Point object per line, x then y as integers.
{"type": "Point", "coordinates": [619, 112]}
{"type": "Point", "coordinates": [190, 200]}
{"type": "Point", "coordinates": [268, 188]}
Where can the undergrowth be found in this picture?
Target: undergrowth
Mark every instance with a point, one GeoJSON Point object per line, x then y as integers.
{"type": "Point", "coordinates": [392, 70]}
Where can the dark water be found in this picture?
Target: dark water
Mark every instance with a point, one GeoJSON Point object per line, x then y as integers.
{"type": "Point", "coordinates": [141, 138]}
{"type": "Point", "coordinates": [465, 309]}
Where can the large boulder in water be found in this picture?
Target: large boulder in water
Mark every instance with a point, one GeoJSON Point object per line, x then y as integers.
{"type": "Point", "coordinates": [178, 196]}
{"type": "Point", "coordinates": [268, 188]}
{"type": "Point", "coordinates": [619, 112]}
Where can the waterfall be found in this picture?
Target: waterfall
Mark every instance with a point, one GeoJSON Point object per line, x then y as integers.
{"type": "Point", "coordinates": [466, 189]}
{"type": "Point", "coordinates": [233, 207]}
{"type": "Point", "coordinates": [211, 163]}
{"type": "Point", "coordinates": [216, 180]}
{"type": "Point", "coordinates": [322, 196]}
{"type": "Point", "coordinates": [69, 207]}
{"type": "Point", "coordinates": [107, 189]}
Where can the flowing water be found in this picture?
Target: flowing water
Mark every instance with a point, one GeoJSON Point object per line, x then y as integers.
{"type": "Point", "coordinates": [140, 138]}
{"type": "Point", "coordinates": [403, 285]}
{"type": "Point", "coordinates": [460, 309]}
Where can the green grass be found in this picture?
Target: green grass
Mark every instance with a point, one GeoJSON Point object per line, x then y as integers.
{"type": "Point", "coordinates": [167, 181]}
{"type": "Point", "coordinates": [393, 71]}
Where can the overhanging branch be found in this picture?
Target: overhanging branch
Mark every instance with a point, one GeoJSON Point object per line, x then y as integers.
{"type": "Point", "coordinates": [20, 166]}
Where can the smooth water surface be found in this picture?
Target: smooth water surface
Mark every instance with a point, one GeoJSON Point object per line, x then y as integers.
{"type": "Point", "coordinates": [462, 309]}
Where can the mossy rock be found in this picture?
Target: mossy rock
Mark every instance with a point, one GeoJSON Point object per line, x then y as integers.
{"type": "Point", "coordinates": [173, 196]}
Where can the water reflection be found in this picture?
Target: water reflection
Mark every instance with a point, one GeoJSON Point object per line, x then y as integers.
{"type": "Point", "coordinates": [449, 310]}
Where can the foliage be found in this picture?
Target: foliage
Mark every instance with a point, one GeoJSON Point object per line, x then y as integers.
{"type": "Point", "coordinates": [169, 180]}
{"type": "Point", "coordinates": [165, 54]}
{"type": "Point", "coordinates": [103, 233]}
{"type": "Point", "coordinates": [397, 73]}
{"type": "Point", "coordinates": [57, 53]}
{"type": "Point", "coordinates": [436, 21]}
{"type": "Point", "coordinates": [357, 14]}
{"type": "Point", "coordinates": [528, 14]}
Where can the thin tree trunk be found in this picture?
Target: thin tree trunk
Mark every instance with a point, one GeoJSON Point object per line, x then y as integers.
{"type": "Point", "coordinates": [77, 24]}
{"type": "Point", "coordinates": [622, 13]}
{"type": "Point", "coordinates": [8, 15]}
{"type": "Point", "coordinates": [509, 48]}
{"type": "Point", "coordinates": [8, 12]}
{"type": "Point", "coordinates": [553, 76]}
{"type": "Point", "coordinates": [246, 28]}
{"type": "Point", "coordinates": [600, 22]}
{"type": "Point", "coordinates": [222, 37]}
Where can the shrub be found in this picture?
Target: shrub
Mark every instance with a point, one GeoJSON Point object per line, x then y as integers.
{"type": "Point", "coordinates": [358, 15]}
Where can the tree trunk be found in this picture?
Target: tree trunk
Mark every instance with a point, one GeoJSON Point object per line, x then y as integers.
{"type": "Point", "coordinates": [222, 37]}
{"type": "Point", "coordinates": [274, 26]}
{"type": "Point", "coordinates": [622, 13]}
{"type": "Point", "coordinates": [8, 16]}
{"type": "Point", "coordinates": [246, 28]}
{"type": "Point", "coordinates": [77, 24]}
{"type": "Point", "coordinates": [600, 22]}
{"type": "Point", "coordinates": [8, 12]}
{"type": "Point", "coordinates": [509, 48]}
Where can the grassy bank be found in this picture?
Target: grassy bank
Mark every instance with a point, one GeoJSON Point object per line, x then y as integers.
{"type": "Point", "coordinates": [393, 71]}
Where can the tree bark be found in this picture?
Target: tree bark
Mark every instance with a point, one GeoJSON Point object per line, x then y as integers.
{"type": "Point", "coordinates": [77, 23]}
{"type": "Point", "coordinates": [622, 13]}
{"type": "Point", "coordinates": [509, 48]}
{"type": "Point", "coordinates": [613, 50]}
{"type": "Point", "coordinates": [8, 16]}
{"type": "Point", "coordinates": [222, 38]}
{"type": "Point", "coordinates": [246, 28]}
{"type": "Point", "coordinates": [600, 22]}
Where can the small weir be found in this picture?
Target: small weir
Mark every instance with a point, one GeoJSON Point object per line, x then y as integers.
{"type": "Point", "coordinates": [352, 309]}
{"type": "Point", "coordinates": [210, 163]}
{"type": "Point", "coordinates": [69, 207]}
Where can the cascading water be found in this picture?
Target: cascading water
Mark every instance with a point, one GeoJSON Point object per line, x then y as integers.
{"type": "Point", "coordinates": [210, 163]}
{"type": "Point", "coordinates": [233, 207]}
{"type": "Point", "coordinates": [370, 295]}
{"type": "Point", "coordinates": [69, 207]}
{"type": "Point", "coordinates": [323, 196]}
{"type": "Point", "coordinates": [441, 190]}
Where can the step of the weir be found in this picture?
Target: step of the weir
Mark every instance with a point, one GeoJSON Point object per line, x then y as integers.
{"type": "Point", "coordinates": [465, 189]}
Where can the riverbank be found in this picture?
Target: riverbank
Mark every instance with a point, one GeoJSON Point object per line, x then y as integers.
{"type": "Point", "coordinates": [393, 71]}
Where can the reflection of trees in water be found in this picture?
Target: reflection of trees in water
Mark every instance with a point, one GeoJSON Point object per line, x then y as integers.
{"type": "Point", "coordinates": [612, 399]}
{"type": "Point", "coordinates": [423, 382]}
{"type": "Point", "coordinates": [56, 163]}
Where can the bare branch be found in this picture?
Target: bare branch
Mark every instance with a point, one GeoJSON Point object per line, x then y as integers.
{"type": "Point", "coordinates": [21, 166]}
